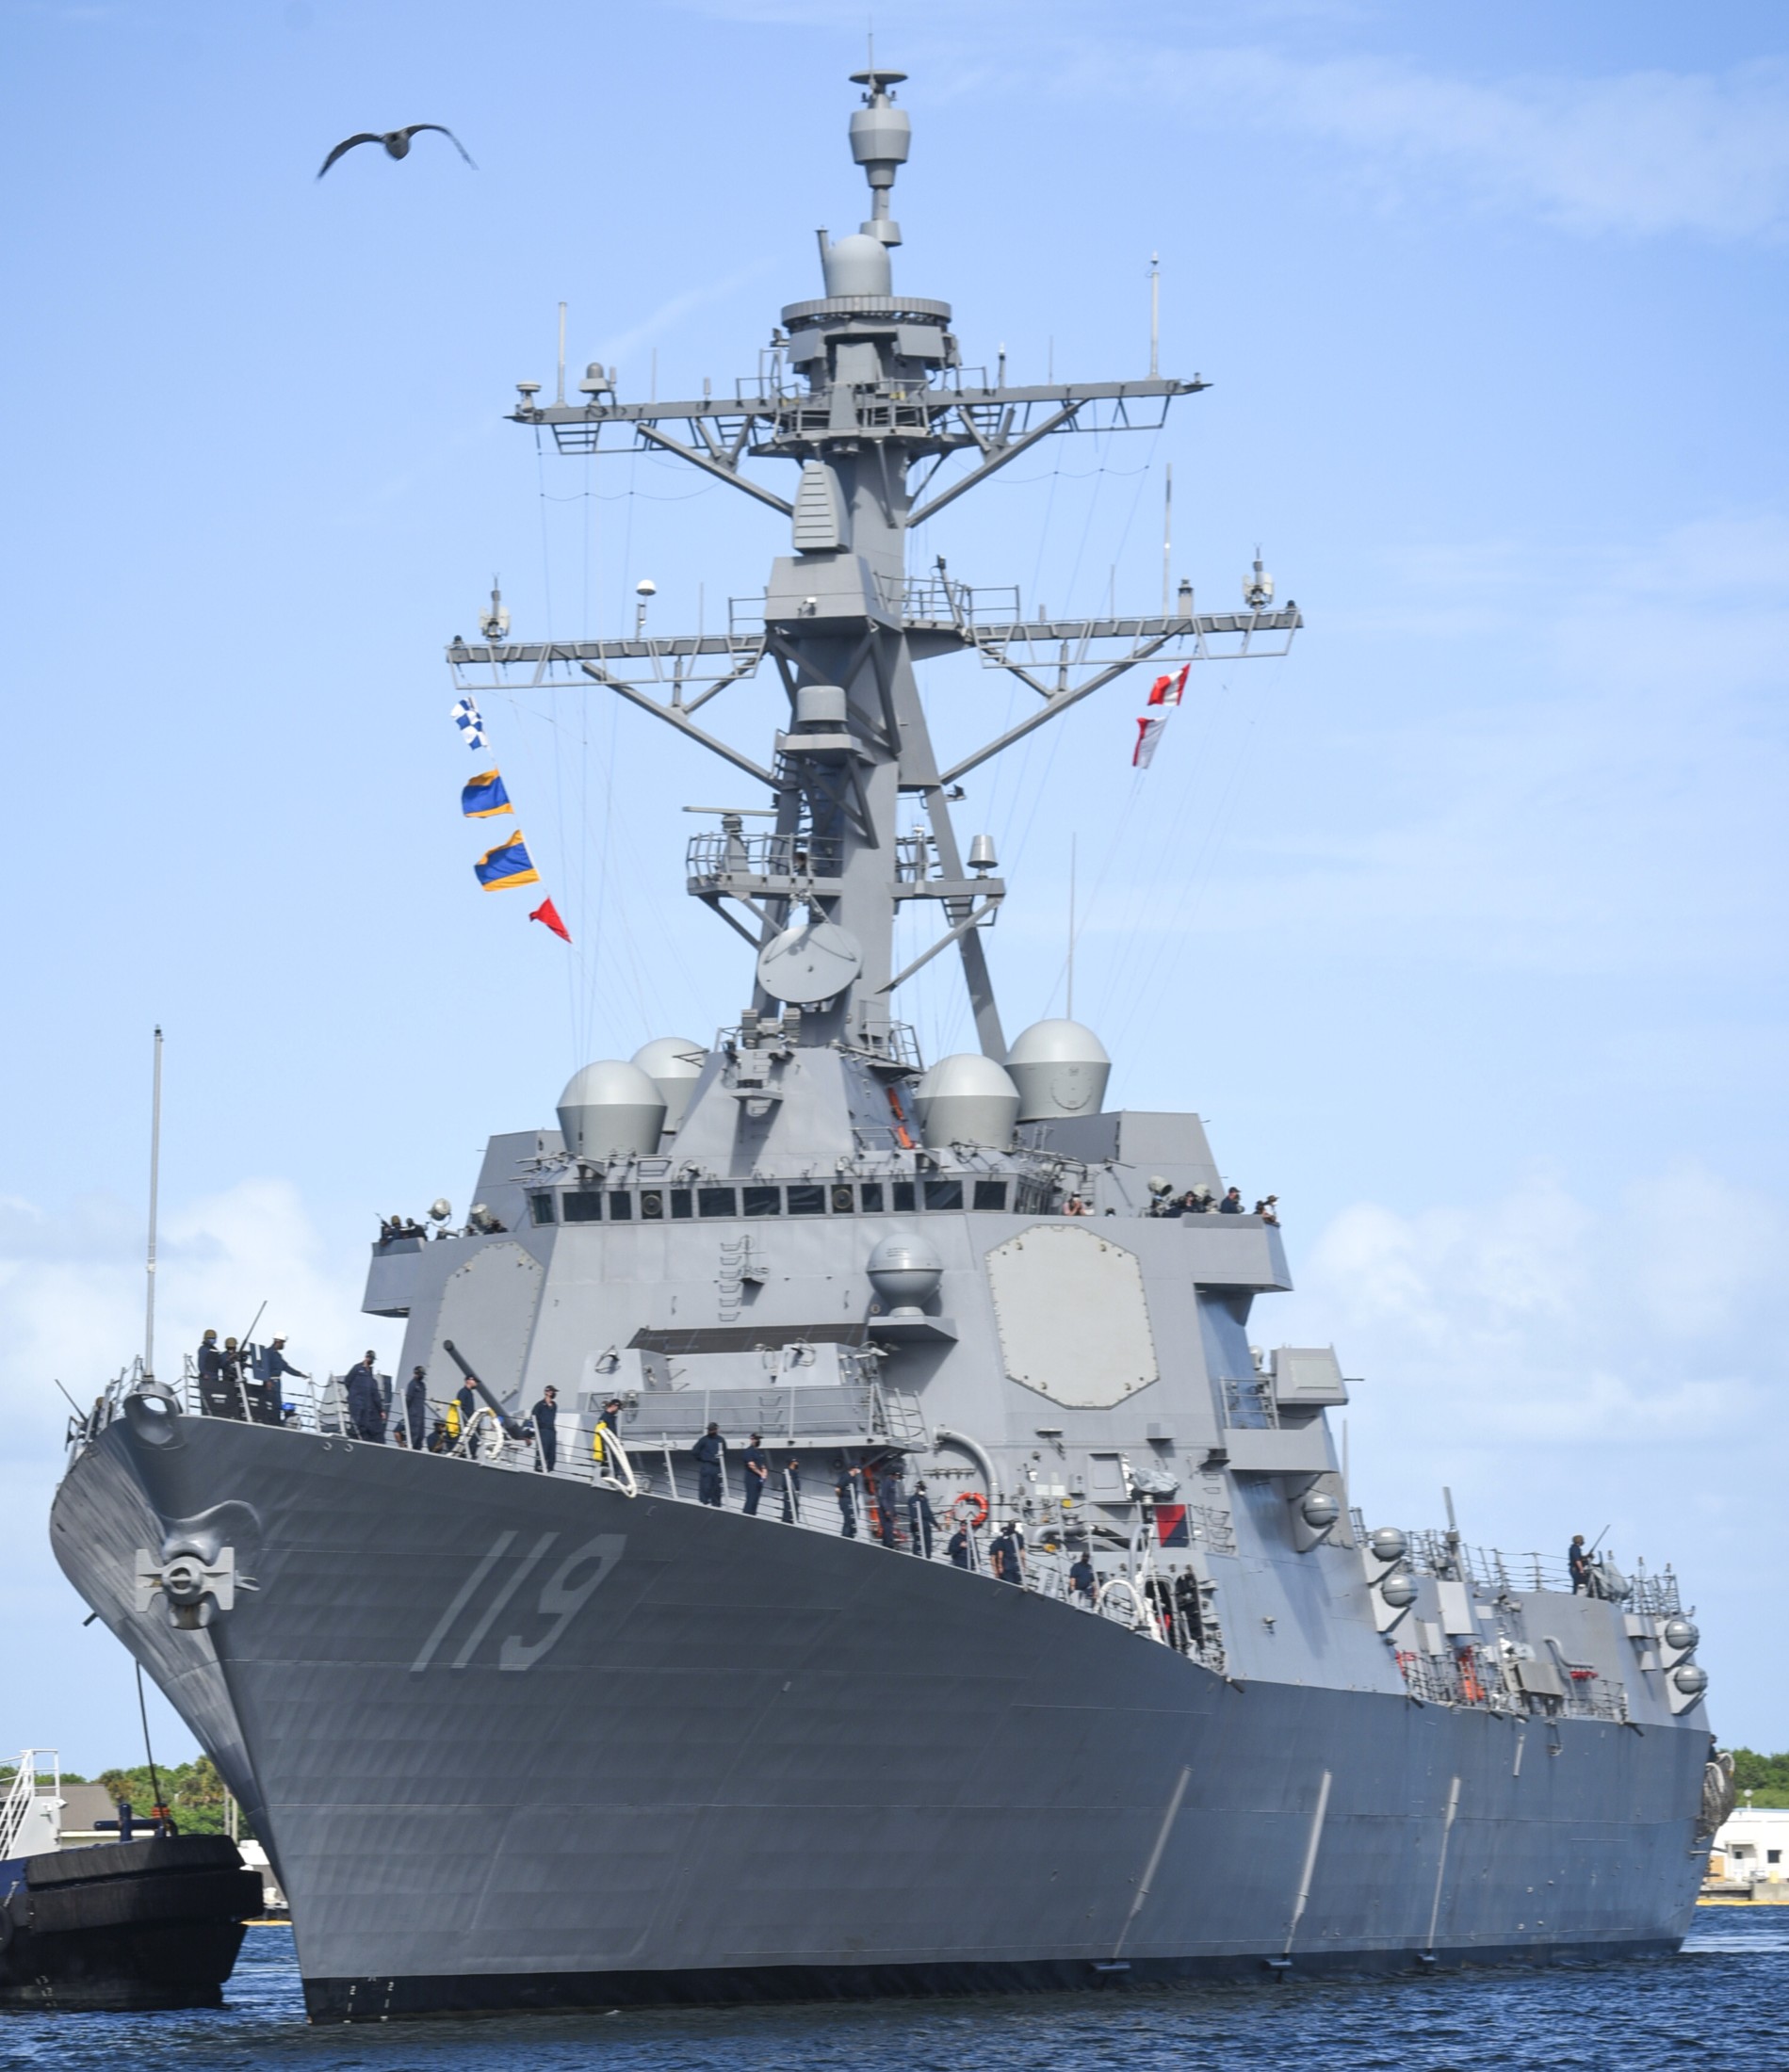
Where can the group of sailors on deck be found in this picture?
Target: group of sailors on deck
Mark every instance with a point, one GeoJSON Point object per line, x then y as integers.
{"type": "Point", "coordinates": [1204, 1201]}
{"type": "Point", "coordinates": [242, 1381]}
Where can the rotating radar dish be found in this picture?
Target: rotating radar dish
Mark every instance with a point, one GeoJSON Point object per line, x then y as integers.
{"type": "Point", "coordinates": [807, 965]}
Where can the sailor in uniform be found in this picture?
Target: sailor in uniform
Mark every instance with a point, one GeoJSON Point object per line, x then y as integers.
{"type": "Point", "coordinates": [758, 1472]}
{"type": "Point", "coordinates": [417, 1404]}
{"type": "Point", "coordinates": [845, 1488]}
{"type": "Point", "coordinates": [365, 1407]}
{"type": "Point", "coordinates": [545, 1417]}
{"type": "Point", "coordinates": [920, 1521]}
{"type": "Point", "coordinates": [215, 1397]}
{"type": "Point", "coordinates": [710, 1451]}
{"type": "Point", "coordinates": [270, 1368]}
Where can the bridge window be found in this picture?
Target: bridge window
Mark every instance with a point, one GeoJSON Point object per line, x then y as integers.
{"type": "Point", "coordinates": [541, 1208]}
{"type": "Point", "coordinates": [682, 1204]}
{"type": "Point", "coordinates": [717, 1201]}
{"type": "Point", "coordinates": [621, 1209]}
{"type": "Point", "coordinates": [944, 1195]}
{"type": "Point", "coordinates": [902, 1192]}
{"type": "Point", "coordinates": [807, 1201]}
{"type": "Point", "coordinates": [763, 1201]}
{"type": "Point", "coordinates": [582, 1207]}
{"type": "Point", "coordinates": [990, 1195]}
{"type": "Point", "coordinates": [872, 1191]}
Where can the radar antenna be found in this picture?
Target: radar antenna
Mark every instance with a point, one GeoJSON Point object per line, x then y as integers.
{"type": "Point", "coordinates": [864, 389]}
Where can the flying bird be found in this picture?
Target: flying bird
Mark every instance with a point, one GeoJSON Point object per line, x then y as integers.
{"type": "Point", "coordinates": [397, 143]}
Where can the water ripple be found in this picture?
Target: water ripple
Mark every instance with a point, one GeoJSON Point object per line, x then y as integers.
{"type": "Point", "coordinates": [1715, 2008]}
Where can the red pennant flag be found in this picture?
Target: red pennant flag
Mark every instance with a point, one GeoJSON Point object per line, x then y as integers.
{"type": "Point", "coordinates": [548, 913]}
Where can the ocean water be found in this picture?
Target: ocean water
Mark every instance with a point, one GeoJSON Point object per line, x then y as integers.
{"type": "Point", "coordinates": [1723, 2003]}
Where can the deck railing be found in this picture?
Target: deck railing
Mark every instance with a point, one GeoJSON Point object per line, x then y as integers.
{"type": "Point", "coordinates": [666, 1471]}
{"type": "Point", "coordinates": [1488, 1568]}
{"type": "Point", "coordinates": [1130, 1590]}
{"type": "Point", "coordinates": [28, 1786]}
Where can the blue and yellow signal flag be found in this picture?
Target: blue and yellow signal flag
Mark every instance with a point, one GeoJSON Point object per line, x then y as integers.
{"type": "Point", "coordinates": [508, 864]}
{"type": "Point", "coordinates": [484, 796]}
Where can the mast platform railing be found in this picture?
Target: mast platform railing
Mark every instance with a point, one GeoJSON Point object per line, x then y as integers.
{"type": "Point", "coordinates": [718, 860]}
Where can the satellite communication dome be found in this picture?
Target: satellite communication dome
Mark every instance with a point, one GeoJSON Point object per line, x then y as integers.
{"type": "Point", "coordinates": [858, 266]}
{"type": "Point", "coordinates": [905, 1270]}
{"type": "Point", "coordinates": [610, 1108]}
{"type": "Point", "coordinates": [967, 1099]}
{"type": "Point", "coordinates": [1060, 1068]}
{"type": "Point", "coordinates": [673, 1064]}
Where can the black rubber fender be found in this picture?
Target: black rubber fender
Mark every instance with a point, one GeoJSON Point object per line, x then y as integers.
{"type": "Point", "coordinates": [128, 1902]}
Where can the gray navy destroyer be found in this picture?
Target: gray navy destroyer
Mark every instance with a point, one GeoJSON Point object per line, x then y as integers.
{"type": "Point", "coordinates": [530, 1735]}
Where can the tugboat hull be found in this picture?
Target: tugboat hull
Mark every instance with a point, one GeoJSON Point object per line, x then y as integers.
{"type": "Point", "coordinates": [127, 1925]}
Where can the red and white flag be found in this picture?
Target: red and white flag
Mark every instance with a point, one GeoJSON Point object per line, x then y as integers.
{"type": "Point", "coordinates": [1149, 729]}
{"type": "Point", "coordinates": [1168, 691]}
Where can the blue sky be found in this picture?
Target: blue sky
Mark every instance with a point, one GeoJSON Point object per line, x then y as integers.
{"type": "Point", "coordinates": [1462, 926]}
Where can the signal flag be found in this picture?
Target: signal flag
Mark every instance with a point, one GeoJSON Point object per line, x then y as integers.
{"type": "Point", "coordinates": [548, 915]}
{"type": "Point", "coordinates": [508, 864]}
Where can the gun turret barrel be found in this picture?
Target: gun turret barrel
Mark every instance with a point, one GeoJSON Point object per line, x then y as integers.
{"type": "Point", "coordinates": [512, 1427]}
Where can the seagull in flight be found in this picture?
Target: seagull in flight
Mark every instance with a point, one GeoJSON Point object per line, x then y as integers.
{"type": "Point", "coordinates": [397, 143]}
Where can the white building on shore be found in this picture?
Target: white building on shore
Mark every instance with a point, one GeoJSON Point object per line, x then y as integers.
{"type": "Point", "coordinates": [1752, 1848]}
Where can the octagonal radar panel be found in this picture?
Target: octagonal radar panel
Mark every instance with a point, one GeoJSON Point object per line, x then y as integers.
{"type": "Point", "coordinates": [1073, 1318]}
{"type": "Point", "coordinates": [809, 964]}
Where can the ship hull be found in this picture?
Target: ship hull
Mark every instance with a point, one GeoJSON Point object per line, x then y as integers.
{"type": "Point", "coordinates": [514, 1743]}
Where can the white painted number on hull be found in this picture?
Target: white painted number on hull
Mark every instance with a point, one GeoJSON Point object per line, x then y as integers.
{"type": "Point", "coordinates": [496, 1580]}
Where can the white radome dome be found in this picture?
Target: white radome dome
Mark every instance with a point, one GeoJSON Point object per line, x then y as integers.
{"type": "Point", "coordinates": [967, 1099]}
{"type": "Point", "coordinates": [1061, 1068]}
{"type": "Point", "coordinates": [673, 1064]}
{"type": "Point", "coordinates": [610, 1108]}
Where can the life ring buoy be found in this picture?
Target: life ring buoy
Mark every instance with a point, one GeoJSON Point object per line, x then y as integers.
{"type": "Point", "coordinates": [978, 1505]}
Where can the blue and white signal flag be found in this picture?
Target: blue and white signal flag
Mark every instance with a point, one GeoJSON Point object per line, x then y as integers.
{"type": "Point", "coordinates": [466, 718]}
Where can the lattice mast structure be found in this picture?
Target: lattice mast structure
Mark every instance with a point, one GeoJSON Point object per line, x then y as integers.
{"type": "Point", "coordinates": [864, 390]}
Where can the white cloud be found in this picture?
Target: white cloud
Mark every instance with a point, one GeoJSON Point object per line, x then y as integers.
{"type": "Point", "coordinates": [1536, 1321]}
{"type": "Point", "coordinates": [1568, 1369]}
{"type": "Point", "coordinates": [71, 1289]}
{"type": "Point", "coordinates": [71, 1308]}
{"type": "Point", "coordinates": [1605, 802]}
{"type": "Point", "coordinates": [622, 344]}
{"type": "Point", "coordinates": [1636, 153]}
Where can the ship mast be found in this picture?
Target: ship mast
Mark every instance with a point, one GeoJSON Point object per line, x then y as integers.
{"type": "Point", "coordinates": [864, 389]}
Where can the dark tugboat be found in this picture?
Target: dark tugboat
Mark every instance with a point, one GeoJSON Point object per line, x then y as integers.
{"type": "Point", "coordinates": [150, 1923]}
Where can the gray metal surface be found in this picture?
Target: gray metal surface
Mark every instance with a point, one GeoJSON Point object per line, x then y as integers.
{"type": "Point", "coordinates": [518, 1737]}
{"type": "Point", "coordinates": [507, 1728]}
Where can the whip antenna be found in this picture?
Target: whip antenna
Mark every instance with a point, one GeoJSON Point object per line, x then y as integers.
{"type": "Point", "coordinates": [155, 1184]}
